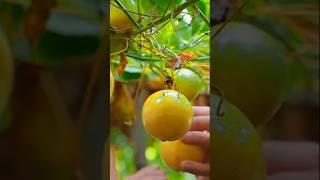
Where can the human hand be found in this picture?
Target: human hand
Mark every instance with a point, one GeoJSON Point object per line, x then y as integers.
{"type": "Point", "coordinates": [285, 160]}
{"type": "Point", "coordinates": [292, 160]}
{"type": "Point", "coordinates": [199, 135]}
{"type": "Point", "coordinates": [148, 173]}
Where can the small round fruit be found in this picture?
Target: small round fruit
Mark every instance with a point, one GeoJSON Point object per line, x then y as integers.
{"type": "Point", "coordinates": [251, 69]}
{"type": "Point", "coordinates": [167, 115]}
{"type": "Point", "coordinates": [187, 82]}
{"type": "Point", "coordinates": [6, 72]}
{"type": "Point", "coordinates": [119, 20]}
{"type": "Point", "coordinates": [237, 151]}
{"type": "Point", "coordinates": [174, 152]}
{"type": "Point", "coordinates": [111, 84]}
{"type": "Point", "coordinates": [155, 84]}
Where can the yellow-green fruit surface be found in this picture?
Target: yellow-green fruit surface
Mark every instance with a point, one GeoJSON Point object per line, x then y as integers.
{"type": "Point", "coordinates": [236, 147]}
{"type": "Point", "coordinates": [250, 68]}
{"type": "Point", "coordinates": [187, 82]}
{"type": "Point", "coordinates": [119, 20]}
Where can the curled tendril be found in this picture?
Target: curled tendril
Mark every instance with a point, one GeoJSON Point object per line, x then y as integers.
{"type": "Point", "coordinates": [219, 107]}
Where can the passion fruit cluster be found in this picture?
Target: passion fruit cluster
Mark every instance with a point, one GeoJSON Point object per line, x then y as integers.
{"type": "Point", "coordinates": [167, 116]}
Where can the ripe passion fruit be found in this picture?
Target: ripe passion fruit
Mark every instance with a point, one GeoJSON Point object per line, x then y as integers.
{"type": "Point", "coordinates": [167, 115]}
{"type": "Point", "coordinates": [174, 152]}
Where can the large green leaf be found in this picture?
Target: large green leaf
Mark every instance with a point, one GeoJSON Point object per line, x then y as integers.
{"type": "Point", "coordinates": [67, 36]}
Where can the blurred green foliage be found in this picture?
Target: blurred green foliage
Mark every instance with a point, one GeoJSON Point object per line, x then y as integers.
{"type": "Point", "coordinates": [125, 157]}
{"type": "Point", "coordinates": [185, 32]}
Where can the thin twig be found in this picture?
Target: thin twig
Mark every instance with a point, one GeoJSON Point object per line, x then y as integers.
{"type": "Point", "coordinates": [156, 53]}
{"type": "Point", "coordinates": [233, 15]}
{"type": "Point", "coordinates": [128, 14]}
{"type": "Point", "coordinates": [201, 14]}
{"type": "Point", "coordinates": [176, 12]}
{"type": "Point", "coordinates": [55, 98]}
{"type": "Point", "coordinates": [95, 72]}
{"type": "Point", "coordinates": [220, 103]}
{"type": "Point", "coordinates": [137, 13]}
{"type": "Point", "coordinates": [139, 84]}
{"type": "Point", "coordinates": [165, 12]}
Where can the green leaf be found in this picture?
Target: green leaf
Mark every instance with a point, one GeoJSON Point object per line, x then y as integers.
{"type": "Point", "coordinates": [131, 73]}
{"type": "Point", "coordinates": [56, 48]}
{"type": "Point", "coordinates": [203, 7]}
{"type": "Point", "coordinates": [68, 35]}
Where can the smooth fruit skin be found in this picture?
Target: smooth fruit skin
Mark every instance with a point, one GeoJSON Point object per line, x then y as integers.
{"type": "Point", "coordinates": [167, 115]}
{"type": "Point", "coordinates": [111, 84]}
{"type": "Point", "coordinates": [6, 72]}
{"type": "Point", "coordinates": [237, 150]}
{"type": "Point", "coordinates": [174, 152]}
{"type": "Point", "coordinates": [187, 82]}
{"type": "Point", "coordinates": [119, 20]}
{"type": "Point", "coordinates": [250, 67]}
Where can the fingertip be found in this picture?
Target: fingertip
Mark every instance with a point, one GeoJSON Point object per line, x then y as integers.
{"type": "Point", "coordinates": [187, 138]}
{"type": "Point", "coordinates": [185, 165]}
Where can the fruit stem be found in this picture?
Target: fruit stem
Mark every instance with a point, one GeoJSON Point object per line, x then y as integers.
{"type": "Point", "coordinates": [219, 107]}
{"type": "Point", "coordinates": [228, 20]}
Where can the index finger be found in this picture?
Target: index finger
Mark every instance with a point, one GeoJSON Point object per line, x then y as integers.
{"type": "Point", "coordinates": [200, 123]}
{"type": "Point", "coordinates": [197, 138]}
{"type": "Point", "coordinates": [201, 110]}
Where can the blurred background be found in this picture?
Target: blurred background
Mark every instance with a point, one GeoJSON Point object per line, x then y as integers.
{"type": "Point", "coordinates": [296, 25]}
{"type": "Point", "coordinates": [52, 89]}
{"type": "Point", "coordinates": [266, 61]}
